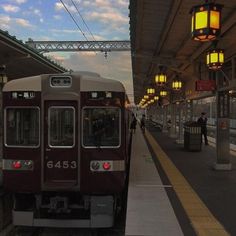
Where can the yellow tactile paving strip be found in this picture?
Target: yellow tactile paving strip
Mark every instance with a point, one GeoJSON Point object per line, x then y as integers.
{"type": "Point", "coordinates": [203, 222]}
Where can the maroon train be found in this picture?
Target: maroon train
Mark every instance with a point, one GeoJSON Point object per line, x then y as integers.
{"type": "Point", "coordinates": [65, 152]}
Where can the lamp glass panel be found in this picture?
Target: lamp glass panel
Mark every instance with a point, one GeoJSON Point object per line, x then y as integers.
{"type": "Point", "coordinates": [214, 57]}
{"type": "Point", "coordinates": [192, 23]}
{"type": "Point", "coordinates": [201, 20]}
{"type": "Point", "coordinates": [221, 57]}
{"type": "Point", "coordinates": [208, 59]}
{"type": "Point", "coordinates": [215, 19]}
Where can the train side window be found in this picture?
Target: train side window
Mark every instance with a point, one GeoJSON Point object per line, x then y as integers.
{"type": "Point", "coordinates": [22, 127]}
{"type": "Point", "coordinates": [101, 127]}
{"type": "Point", "coordinates": [61, 127]}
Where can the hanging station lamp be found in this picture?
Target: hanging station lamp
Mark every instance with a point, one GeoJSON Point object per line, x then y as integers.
{"type": "Point", "coordinates": [215, 59]}
{"type": "Point", "coordinates": [177, 83]}
{"type": "Point", "coordinates": [160, 79]}
{"type": "Point", "coordinates": [156, 98]}
{"type": "Point", "coordinates": [163, 93]}
{"type": "Point", "coordinates": [150, 91]}
{"type": "Point", "coordinates": [206, 21]}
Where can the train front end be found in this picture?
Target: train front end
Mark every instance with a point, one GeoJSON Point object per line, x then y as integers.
{"type": "Point", "coordinates": [65, 150]}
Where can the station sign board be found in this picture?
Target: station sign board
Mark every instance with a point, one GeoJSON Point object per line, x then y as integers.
{"type": "Point", "coordinates": [205, 85]}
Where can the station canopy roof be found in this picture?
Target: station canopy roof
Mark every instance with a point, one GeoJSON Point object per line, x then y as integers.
{"type": "Point", "coordinates": [21, 60]}
{"type": "Point", "coordinates": [160, 34]}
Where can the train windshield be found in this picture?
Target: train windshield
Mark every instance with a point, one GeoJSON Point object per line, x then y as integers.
{"type": "Point", "coordinates": [101, 127]}
{"type": "Point", "coordinates": [22, 127]}
{"type": "Point", "coordinates": [61, 126]}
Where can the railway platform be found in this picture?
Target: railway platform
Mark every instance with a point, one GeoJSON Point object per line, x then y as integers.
{"type": "Point", "coordinates": [198, 199]}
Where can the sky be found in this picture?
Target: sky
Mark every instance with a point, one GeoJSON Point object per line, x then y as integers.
{"type": "Point", "coordinates": [48, 20]}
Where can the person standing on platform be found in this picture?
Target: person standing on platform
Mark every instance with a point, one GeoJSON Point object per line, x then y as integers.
{"type": "Point", "coordinates": [142, 123]}
{"type": "Point", "coordinates": [133, 124]}
{"type": "Point", "coordinates": [202, 121]}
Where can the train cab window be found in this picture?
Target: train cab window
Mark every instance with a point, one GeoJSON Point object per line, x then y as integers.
{"type": "Point", "coordinates": [61, 126]}
{"type": "Point", "coordinates": [22, 127]}
{"type": "Point", "coordinates": [101, 127]}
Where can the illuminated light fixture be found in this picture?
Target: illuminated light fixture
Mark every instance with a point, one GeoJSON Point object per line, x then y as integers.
{"type": "Point", "coordinates": [163, 93]}
{"type": "Point", "coordinates": [152, 100]}
{"type": "Point", "coordinates": [145, 96]}
{"type": "Point", "coordinates": [156, 98]}
{"type": "Point", "coordinates": [106, 166]}
{"type": "Point", "coordinates": [16, 165]}
{"type": "Point", "coordinates": [206, 21]}
{"type": "Point", "coordinates": [14, 94]}
{"type": "Point", "coordinates": [108, 95]}
{"type": "Point", "coordinates": [150, 91]}
{"type": "Point", "coordinates": [177, 84]}
{"type": "Point", "coordinates": [160, 79]}
{"type": "Point", "coordinates": [215, 59]}
{"type": "Point", "coordinates": [94, 94]}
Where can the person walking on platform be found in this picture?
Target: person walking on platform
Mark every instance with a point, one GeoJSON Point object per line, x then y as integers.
{"type": "Point", "coordinates": [202, 121]}
{"type": "Point", "coordinates": [142, 123]}
{"type": "Point", "coordinates": [133, 124]}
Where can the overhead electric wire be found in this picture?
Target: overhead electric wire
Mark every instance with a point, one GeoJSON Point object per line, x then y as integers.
{"type": "Point", "coordinates": [83, 19]}
{"type": "Point", "coordinates": [74, 20]}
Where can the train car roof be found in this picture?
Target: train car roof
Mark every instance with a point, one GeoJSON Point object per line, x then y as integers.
{"type": "Point", "coordinates": [89, 81]}
{"type": "Point", "coordinates": [98, 83]}
{"type": "Point", "coordinates": [32, 83]}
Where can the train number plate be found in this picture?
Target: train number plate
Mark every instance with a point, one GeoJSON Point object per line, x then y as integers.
{"type": "Point", "coordinates": [62, 164]}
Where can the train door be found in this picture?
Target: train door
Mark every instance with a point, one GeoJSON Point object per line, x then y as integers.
{"type": "Point", "coordinates": [61, 144]}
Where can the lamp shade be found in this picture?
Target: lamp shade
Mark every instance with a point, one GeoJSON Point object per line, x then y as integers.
{"type": "Point", "coordinates": [150, 91]}
{"type": "Point", "coordinates": [160, 79]}
{"type": "Point", "coordinates": [206, 21]}
{"type": "Point", "coordinates": [215, 59]}
{"type": "Point", "coordinates": [176, 84]}
{"type": "Point", "coordinates": [163, 93]}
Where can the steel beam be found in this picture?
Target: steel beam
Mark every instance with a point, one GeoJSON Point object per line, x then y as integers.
{"type": "Point", "coordinates": [73, 46]}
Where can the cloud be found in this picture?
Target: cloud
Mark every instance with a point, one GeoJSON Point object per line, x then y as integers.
{"type": "Point", "coordinates": [109, 12]}
{"type": "Point", "coordinates": [68, 31]}
{"type": "Point", "coordinates": [23, 22]}
{"type": "Point", "coordinates": [117, 65]}
{"type": "Point", "coordinates": [20, 1]}
{"type": "Point", "coordinates": [10, 8]}
{"type": "Point", "coordinates": [114, 18]}
{"type": "Point", "coordinates": [122, 3]}
{"type": "Point", "coordinates": [99, 37]}
{"type": "Point", "coordinates": [6, 23]}
{"type": "Point", "coordinates": [59, 7]}
{"type": "Point", "coordinates": [57, 17]}
{"type": "Point", "coordinates": [102, 3]}
{"type": "Point", "coordinates": [37, 12]}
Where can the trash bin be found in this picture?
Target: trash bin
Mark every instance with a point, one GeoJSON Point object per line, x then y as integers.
{"type": "Point", "coordinates": [192, 136]}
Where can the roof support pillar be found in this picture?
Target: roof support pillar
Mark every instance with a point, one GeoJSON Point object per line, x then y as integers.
{"type": "Point", "coordinates": [222, 129]}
